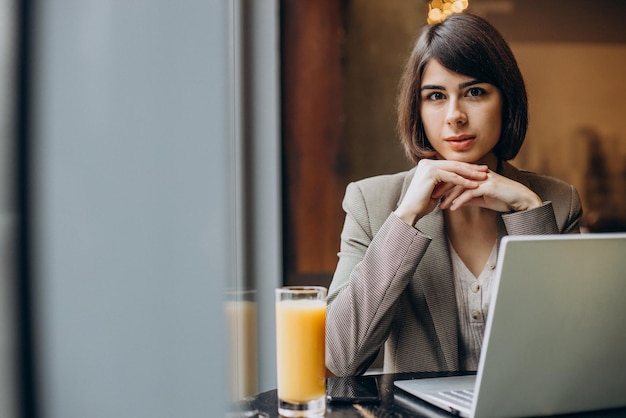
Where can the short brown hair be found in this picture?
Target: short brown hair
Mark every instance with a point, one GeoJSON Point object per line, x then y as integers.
{"type": "Point", "coordinates": [468, 45]}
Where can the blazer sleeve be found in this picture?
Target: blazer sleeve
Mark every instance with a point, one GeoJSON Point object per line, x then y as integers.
{"type": "Point", "coordinates": [559, 215]}
{"type": "Point", "coordinates": [372, 272]}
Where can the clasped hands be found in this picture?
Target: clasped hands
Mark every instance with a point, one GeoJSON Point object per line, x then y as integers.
{"type": "Point", "coordinates": [455, 184]}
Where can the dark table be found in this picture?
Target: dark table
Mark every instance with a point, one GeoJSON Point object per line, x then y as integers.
{"type": "Point", "coordinates": [388, 407]}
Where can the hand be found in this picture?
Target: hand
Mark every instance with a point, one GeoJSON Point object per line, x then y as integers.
{"type": "Point", "coordinates": [496, 192]}
{"type": "Point", "coordinates": [432, 180]}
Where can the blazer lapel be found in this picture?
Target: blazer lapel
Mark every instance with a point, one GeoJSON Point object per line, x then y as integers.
{"type": "Point", "coordinates": [436, 281]}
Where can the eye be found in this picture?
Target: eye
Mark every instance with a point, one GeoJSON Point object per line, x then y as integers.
{"type": "Point", "coordinates": [433, 97]}
{"type": "Point", "coordinates": [475, 92]}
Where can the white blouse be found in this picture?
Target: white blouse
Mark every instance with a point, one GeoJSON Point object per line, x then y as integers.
{"type": "Point", "coordinates": [472, 298]}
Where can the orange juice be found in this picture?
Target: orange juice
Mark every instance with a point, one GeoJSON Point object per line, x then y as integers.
{"type": "Point", "coordinates": [301, 342]}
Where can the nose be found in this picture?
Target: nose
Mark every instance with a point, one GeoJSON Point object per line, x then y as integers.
{"type": "Point", "coordinates": [455, 115]}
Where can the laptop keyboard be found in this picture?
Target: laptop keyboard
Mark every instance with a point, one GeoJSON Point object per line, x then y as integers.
{"type": "Point", "coordinates": [462, 397]}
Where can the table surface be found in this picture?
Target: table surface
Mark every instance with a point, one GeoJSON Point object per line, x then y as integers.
{"type": "Point", "coordinates": [388, 407]}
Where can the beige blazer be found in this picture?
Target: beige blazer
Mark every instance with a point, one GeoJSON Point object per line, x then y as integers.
{"type": "Point", "coordinates": [394, 283]}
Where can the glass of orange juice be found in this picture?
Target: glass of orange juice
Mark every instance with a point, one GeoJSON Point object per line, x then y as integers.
{"type": "Point", "coordinates": [301, 350]}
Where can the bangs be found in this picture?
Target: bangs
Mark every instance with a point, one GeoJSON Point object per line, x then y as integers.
{"type": "Point", "coordinates": [463, 56]}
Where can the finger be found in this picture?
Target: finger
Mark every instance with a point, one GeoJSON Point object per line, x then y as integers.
{"type": "Point", "coordinates": [460, 164]}
{"type": "Point", "coordinates": [458, 180]}
{"type": "Point", "coordinates": [473, 198]}
{"type": "Point", "coordinates": [467, 170]}
{"type": "Point", "coordinates": [451, 196]}
{"type": "Point", "coordinates": [441, 189]}
{"type": "Point", "coordinates": [468, 201]}
{"type": "Point", "coordinates": [455, 172]}
{"type": "Point", "coordinates": [467, 197]}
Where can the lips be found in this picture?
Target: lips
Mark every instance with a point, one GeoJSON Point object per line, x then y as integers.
{"type": "Point", "coordinates": [460, 143]}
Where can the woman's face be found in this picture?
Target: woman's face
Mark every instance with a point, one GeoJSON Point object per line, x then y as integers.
{"type": "Point", "coordinates": [462, 116]}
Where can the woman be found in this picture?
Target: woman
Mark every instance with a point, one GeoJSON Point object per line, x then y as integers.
{"type": "Point", "coordinates": [419, 248]}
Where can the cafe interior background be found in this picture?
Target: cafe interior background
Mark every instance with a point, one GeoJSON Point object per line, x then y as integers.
{"type": "Point", "coordinates": [299, 101]}
{"type": "Point", "coordinates": [341, 62]}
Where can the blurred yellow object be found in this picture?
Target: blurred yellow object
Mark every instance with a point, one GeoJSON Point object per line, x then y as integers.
{"type": "Point", "coordinates": [439, 10]}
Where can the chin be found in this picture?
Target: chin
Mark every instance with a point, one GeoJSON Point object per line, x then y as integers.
{"type": "Point", "coordinates": [461, 158]}
{"type": "Point", "coordinates": [471, 158]}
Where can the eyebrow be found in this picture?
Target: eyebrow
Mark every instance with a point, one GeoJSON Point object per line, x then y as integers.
{"type": "Point", "coordinates": [461, 86]}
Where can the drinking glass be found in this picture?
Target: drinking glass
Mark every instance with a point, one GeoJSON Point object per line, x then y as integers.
{"type": "Point", "coordinates": [241, 314]}
{"type": "Point", "coordinates": [301, 350]}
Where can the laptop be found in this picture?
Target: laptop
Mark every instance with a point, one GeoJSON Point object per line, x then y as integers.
{"type": "Point", "coordinates": [555, 337]}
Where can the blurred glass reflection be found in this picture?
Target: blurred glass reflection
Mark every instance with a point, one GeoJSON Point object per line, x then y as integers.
{"type": "Point", "coordinates": [241, 316]}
